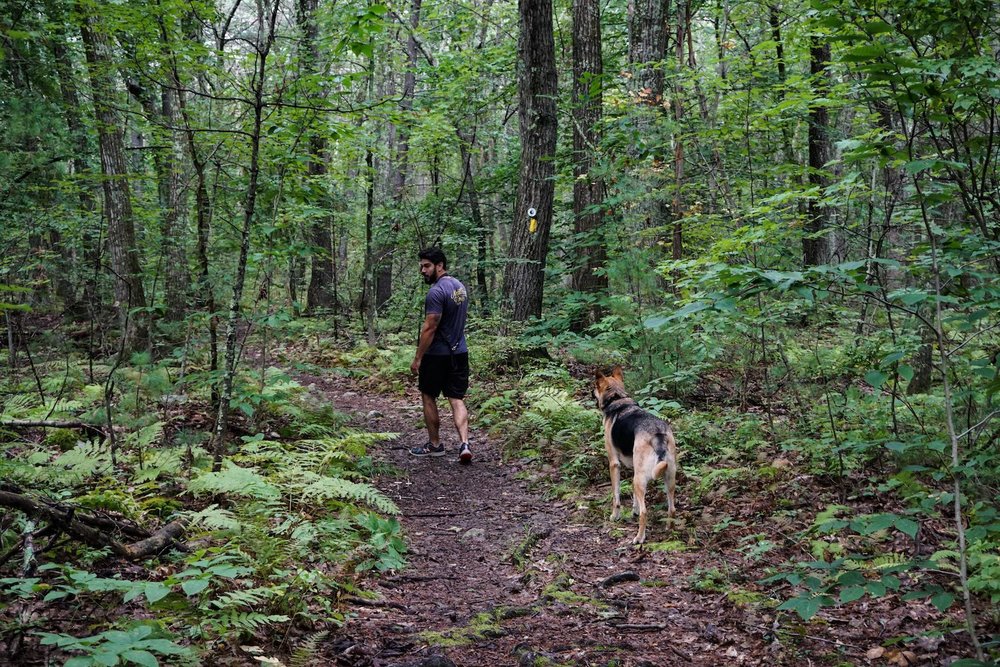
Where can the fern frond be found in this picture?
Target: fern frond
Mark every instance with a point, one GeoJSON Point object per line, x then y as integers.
{"type": "Point", "coordinates": [168, 461]}
{"type": "Point", "coordinates": [305, 654]}
{"type": "Point", "coordinates": [245, 621]}
{"type": "Point", "coordinates": [328, 488]}
{"type": "Point", "coordinates": [215, 518]}
{"type": "Point", "coordinates": [241, 599]}
{"type": "Point", "coordinates": [234, 480]}
{"type": "Point", "coordinates": [145, 437]}
{"type": "Point", "coordinates": [86, 459]}
{"type": "Point", "coordinates": [18, 406]}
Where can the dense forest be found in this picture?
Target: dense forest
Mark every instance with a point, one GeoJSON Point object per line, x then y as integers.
{"type": "Point", "coordinates": [781, 217]}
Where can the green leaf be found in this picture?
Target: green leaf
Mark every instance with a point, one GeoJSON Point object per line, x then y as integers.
{"type": "Point", "coordinates": [875, 589]}
{"type": "Point", "coordinates": [851, 594]}
{"type": "Point", "coordinates": [156, 591]}
{"type": "Point", "coordinates": [942, 601]}
{"type": "Point", "coordinates": [906, 372]}
{"type": "Point", "coordinates": [876, 378]}
{"type": "Point", "coordinates": [106, 658]}
{"type": "Point", "coordinates": [194, 586]}
{"type": "Point", "coordinates": [908, 526]}
{"type": "Point", "coordinates": [144, 658]}
{"type": "Point", "coordinates": [805, 607]}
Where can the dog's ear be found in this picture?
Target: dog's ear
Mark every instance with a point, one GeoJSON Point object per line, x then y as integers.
{"type": "Point", "coordinates": [617, 374]}
{"type": "Point", "coordinates": [598, 374]}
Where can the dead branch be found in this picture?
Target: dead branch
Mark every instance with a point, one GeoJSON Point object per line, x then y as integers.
{"type": "Point", "coordinates": [52, 423]}
{"type": "Point", "coordinates": [94, 531]}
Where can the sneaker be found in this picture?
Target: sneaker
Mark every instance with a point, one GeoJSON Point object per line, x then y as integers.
{"type": "Point", "coordinates": [464, 453]}
{"type": "Point", "coordinates": [428, 449]}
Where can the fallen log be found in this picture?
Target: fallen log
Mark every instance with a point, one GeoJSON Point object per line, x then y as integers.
{"type": "Point", "coordinates": [92, 530]}
{"type": "Point", "coordinates": [52, 423]}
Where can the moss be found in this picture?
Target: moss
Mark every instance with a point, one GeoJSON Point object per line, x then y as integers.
{"type": "Point", "coordinates": [484, 625]}
{"type": "Point", "coordinates": [64, 439]}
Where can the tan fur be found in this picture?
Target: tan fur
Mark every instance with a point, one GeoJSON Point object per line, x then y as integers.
{"type": "Point", "coordinates": [644, 461]}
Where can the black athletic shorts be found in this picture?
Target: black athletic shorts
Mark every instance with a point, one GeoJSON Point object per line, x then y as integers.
{"type": "Point", "coordinates": [444, 374]}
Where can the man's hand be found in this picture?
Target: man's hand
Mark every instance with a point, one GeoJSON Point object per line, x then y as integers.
{"type": "Point", "coordinates": [415, 366]}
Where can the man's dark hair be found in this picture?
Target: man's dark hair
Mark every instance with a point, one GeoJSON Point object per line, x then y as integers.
{"type": "Point", "coordinates": [434, 255]}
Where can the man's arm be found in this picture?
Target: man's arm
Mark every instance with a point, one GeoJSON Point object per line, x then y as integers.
{"type": "Point", "coordinates": [427, 332]}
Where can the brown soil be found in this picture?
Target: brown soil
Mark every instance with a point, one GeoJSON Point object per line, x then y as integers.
{"type": "Point", "coordinates": [499, 575]}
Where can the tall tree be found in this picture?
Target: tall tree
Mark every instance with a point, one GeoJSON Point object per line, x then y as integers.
{"type": "Point", "coordinates": [588, 188]}
{"type": "Point", "coordinates": [816, 245]}
{"type": "Point", "coordinates": [129, 292]}
{"type": "Point", "coordinates": [524, 275]}
{"type": "Point", "coordinates": [320, 292]}
{"type": "Point", "coordinates": [263, 42]}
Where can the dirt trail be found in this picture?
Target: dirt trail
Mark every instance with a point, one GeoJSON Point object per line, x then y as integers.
{"type": "Point", "coordinates": [498, 575]}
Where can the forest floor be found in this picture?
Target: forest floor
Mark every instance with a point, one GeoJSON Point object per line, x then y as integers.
{"type": "Point", "coordinates": [499, 573]}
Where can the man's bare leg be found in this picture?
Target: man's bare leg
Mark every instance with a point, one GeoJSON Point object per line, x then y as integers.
{"type": "Point", "coordinates": [431, 419]}
{"type": "Point", "coordinates": [461, 416]}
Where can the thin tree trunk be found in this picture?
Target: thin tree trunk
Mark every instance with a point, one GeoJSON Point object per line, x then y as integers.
{"type": "Point", "coordinates": [816, 245]}
{"type": "Point", "coordinates": [258, 83]}
{"type": "Point", "coordinates": [465, 142]}
{"type": "Point", "coordinates": [204, 291]}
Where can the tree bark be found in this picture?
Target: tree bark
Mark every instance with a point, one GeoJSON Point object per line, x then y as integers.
{"type": "Point", "coordinates": [129, 292]}
{"type": "Point", "coordinates": [589, 190]}
{"type": "Point", "coordinates": [537, 89]}
{"type": "Point", "coordinates": [816, 244]}
{"type": "Point", "coordinates": [92, 530]}
{"type": "Point", "coordinates": [167, 164]}
{"type": "Point", "coordinates": [320, 291]}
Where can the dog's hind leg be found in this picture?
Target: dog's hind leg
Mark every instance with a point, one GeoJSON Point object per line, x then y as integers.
{"type": "Point", "coordinates": [615, 468]}
{"type": "Point", "coordinates": [670, 479]}
{"type": "Point", "coordinates": [639, 501]}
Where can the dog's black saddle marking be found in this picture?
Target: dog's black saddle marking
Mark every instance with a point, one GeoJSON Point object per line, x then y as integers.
{"type": "Point", "coordinates": [628, 419]}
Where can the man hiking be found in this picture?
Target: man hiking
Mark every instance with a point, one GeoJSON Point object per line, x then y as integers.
{"type": "Point", "coordinates": [441, 361]}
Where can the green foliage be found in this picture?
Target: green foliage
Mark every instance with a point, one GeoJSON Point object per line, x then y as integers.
{"type": "Point", "coordinates": [138, 645]}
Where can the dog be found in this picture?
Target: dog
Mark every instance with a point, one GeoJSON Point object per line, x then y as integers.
{"type": "Point", "coordinates": [639, 440]}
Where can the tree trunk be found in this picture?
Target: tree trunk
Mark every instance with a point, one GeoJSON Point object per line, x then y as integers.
{"type": "Point", "coordinates": [816, 244]}
{"type": "Point", "coordinates": [80, 170]}
{"type": "Point", "coordinates": [647, 46]}
{"type": "Point", "coordinates": [204, 291]}
{"type": "Point", "coordinates": [167, 164]}
{"type": "Point", "coordinates": [466, 142]}
{"type": "Point", "coordinates": [320, 291]}
{"type": "Point", "coordinates": [129, 292]}
{"type": "Point", "coordinates": [677, 202]}
{"type": "Point", "coordinates": [259, 81]}
{"type": "Point", "coordinates": [524, 275]}
{"type": "Point", "coordinates": [588, 190]}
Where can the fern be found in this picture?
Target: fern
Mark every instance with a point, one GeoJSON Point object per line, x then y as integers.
{"type": "Point", "coordinates": [86, 459]}
{"type": "Point", "coordinates": [240, 599]}
{"type": "Point", "coordinates": [244, 622]}
{"type": "Point", "coordinates": [215, 518]}
{"type": "Point", "coordinates": [306, 653]}
{"type": "Point", "coordinates": [18, 406]}
{"type": "Point", "coordinates": [327, 488]}
{"type": "Point", "coordinates": [234, 480]}
{"type": "Point", "coordinates": [161, 462]}
{"type": "Point", "coordinates": [145, 437]}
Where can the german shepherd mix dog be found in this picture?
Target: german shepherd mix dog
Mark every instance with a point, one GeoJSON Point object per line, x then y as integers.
{"type": "Point", "coordinates": [638, 439]}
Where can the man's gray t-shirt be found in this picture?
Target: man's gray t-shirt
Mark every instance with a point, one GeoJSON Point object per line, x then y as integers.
{"type": "Point", "coordinates": [448, 297]}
